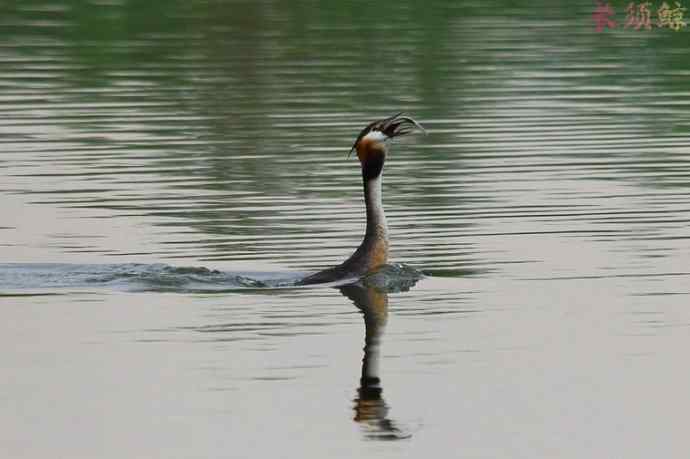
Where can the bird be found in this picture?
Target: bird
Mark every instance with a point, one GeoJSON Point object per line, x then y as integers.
{"type": "Point", "coordinates": [371, 147]}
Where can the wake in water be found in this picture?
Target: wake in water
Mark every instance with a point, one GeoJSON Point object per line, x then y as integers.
{"type": "Point", "coordinates": [166, 278]}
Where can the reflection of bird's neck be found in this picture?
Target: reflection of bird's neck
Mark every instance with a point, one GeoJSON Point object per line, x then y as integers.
{"type": "Point", "coordinates": [374, 305]}
{"type": "Point", "coordinates": [369, 405]}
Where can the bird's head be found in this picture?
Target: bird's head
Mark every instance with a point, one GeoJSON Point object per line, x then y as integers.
{"type": "Point", "coordinates": [371, 142]}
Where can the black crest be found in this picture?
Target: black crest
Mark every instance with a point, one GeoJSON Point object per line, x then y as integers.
{"type": "Point", "coordinates": [393, 126]}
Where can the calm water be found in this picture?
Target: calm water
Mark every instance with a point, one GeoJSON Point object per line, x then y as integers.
{"type": "Point", "coordinates": [167, 171]}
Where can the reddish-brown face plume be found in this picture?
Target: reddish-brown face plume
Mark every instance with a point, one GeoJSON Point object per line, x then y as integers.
{"type": "Point", "coordinates": [369, 146]}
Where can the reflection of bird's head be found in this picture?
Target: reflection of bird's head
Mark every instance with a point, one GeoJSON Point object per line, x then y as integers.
{"type": "Point", "coordinates": [370, 143]}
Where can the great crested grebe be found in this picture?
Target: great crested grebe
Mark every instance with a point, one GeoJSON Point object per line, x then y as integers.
{"type": "Point", "coordinates": [371, 150]}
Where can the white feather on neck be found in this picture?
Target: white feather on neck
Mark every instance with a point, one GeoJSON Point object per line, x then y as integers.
{"type": "Point", "coordinates": [375, 206]}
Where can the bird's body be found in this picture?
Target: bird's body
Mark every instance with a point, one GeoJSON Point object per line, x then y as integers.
{"type": "Point", "coordinates": [373, 251]}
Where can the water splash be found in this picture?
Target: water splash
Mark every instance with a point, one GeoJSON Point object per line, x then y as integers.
{"type": "Point", "coordinates": [393, 278]}
{"type": "Point", "coordinates": [161, 277]}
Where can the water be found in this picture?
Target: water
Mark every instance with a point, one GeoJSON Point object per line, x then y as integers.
{"type": "Point", "coordinates": [167, 173]}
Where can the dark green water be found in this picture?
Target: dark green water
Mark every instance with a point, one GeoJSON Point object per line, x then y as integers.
{"type": "Point", "coordinates": [549, 206]}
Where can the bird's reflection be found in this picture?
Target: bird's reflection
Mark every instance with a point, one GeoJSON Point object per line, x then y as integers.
{"type": "Point", "coordinates": [371, 410]}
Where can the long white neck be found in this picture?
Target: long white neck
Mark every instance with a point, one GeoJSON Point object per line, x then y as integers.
{"type": "Point", "coordinates": [372, 253]}
{"type": "Point", "coordinates": [376, 219]}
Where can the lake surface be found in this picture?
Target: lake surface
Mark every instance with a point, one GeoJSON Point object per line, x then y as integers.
{"type": "Point", "coordinates": [167, 172]}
